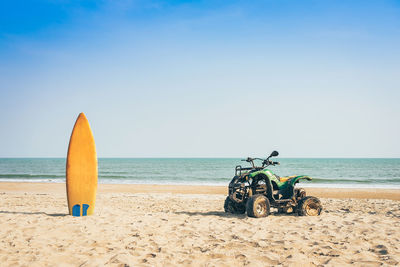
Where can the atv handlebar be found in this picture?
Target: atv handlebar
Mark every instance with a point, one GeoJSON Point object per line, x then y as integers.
{"type": "Point", "coordinates": [265, 162]}
{"type": "Point", "coordinates": [250, 159]}
{"type": "Point", "coordinates": [268, 162]}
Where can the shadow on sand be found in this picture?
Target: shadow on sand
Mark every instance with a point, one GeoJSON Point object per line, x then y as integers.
{"type": "Point", "coordinates": [34, 213]}
{"type": "Point", "coordinates": [228, 215]}
{"type": "Point", "coordinates": [212, 213]}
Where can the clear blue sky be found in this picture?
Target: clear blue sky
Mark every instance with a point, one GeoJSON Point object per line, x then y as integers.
{"type": "Point", "coordinates": [201, 78]}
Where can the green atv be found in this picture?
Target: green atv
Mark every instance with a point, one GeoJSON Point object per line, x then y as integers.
{"type": "Point", "coordinates": [256, 189]}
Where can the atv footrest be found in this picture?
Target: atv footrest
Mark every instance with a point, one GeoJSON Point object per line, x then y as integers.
{"type": "Point", "coordinates": [282, 200]}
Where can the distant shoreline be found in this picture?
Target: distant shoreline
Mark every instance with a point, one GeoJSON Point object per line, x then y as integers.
{"type": "Point", "coordinates": [59, 188]}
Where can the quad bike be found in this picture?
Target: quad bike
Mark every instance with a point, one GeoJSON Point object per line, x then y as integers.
{"type": "Point", "coordinates": [256, 189]}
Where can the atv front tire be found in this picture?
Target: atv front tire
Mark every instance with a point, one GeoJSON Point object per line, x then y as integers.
{"type": "Point", "coordinates": [258, 206]}
{"type": "Point", "coordinates": [233, 207]}
{"type": "Point", "coordinates": [309, 206]}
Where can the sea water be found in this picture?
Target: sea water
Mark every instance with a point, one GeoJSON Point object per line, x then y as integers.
{"type": "Point", "coordinates": [336, 172]}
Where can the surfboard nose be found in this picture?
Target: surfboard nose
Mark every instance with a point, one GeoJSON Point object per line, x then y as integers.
{"type": "Point", "coordinates": [82, 115]}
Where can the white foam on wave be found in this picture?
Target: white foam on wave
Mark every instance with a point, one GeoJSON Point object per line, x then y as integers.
{"type": "Point", "coordinates": [198, 183]}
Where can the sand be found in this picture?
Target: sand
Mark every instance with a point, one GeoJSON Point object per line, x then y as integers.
{"type": "Point", "coordinates": [142, 225]}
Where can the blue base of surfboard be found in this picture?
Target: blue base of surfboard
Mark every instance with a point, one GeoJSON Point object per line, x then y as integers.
{"type": "Point", "coordinates": [76, 210]}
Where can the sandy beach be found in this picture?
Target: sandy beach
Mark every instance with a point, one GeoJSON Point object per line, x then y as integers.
{"type": "Point", "coordinates": [145, 225]}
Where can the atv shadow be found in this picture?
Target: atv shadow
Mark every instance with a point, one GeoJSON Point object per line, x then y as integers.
{"type": "Point", "coordinates": [212, 213]}
{"type": "Point", "coordinates": [284, 214]}
{"type": "Point", "coordinates": [229, 215]}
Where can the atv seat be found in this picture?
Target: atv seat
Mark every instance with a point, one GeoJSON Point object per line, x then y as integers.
{"type": "Point", "coordinates": [284, 179]}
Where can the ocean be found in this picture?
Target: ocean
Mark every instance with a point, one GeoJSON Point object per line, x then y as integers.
{"type": "Point", "coordinates": [335, 172]}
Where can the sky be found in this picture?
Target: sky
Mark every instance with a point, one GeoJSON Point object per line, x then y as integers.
{"type": "Point", "coordinates": [201, 78]}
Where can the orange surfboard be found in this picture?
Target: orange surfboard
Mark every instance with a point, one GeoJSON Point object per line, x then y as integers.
{"type": "Point", "coordinates": [81, 170]}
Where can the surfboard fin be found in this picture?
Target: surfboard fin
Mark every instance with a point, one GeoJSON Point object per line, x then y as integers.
{"type": "Point", "coordinates": [84, 209]}
{"type": "Point", "coordinates": [76, 210]}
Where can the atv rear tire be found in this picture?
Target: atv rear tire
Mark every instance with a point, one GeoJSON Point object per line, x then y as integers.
{"type": "Point", "coordinates": [309, 206]}
{"type": "Point", "coordinates": [258, 206]}
{"type": "Point", "coordinates": [233, 207]}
